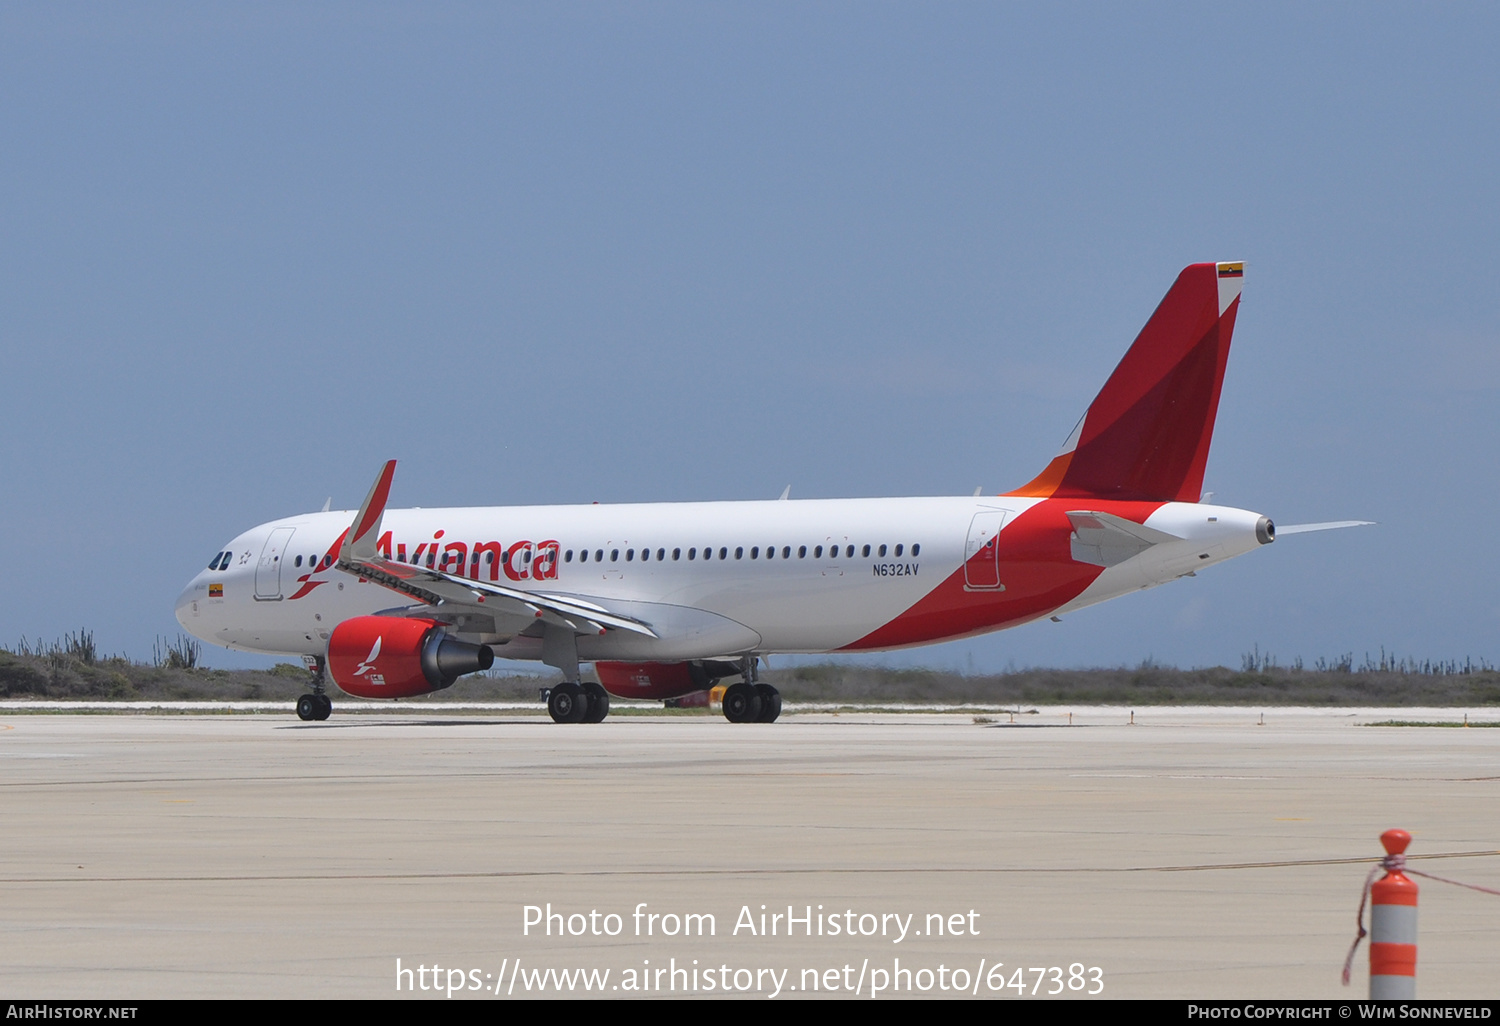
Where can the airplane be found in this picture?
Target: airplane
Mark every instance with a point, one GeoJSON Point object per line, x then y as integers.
{"type": "Point", "coordinates": [666, 599]}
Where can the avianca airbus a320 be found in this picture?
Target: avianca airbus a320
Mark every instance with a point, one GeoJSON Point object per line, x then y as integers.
{"type": "Point", "coordinates": [667, 598]}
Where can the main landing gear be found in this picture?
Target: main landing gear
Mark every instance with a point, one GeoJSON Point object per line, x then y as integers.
{"type": "Point", "coordinates": [569, 702]}
{"type": "Point", "coordinates": [750, 701]}
{"type": "Point", "coordinates": [316, 706]}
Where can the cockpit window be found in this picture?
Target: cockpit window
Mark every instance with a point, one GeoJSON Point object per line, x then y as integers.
{"type": "Point", "coordinates": [218, 558]}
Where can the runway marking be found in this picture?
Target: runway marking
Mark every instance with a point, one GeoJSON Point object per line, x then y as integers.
{"type": "Point", "coordinates": [840, 871]}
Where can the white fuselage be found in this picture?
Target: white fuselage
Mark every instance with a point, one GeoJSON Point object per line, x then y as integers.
{"type": "Point", "coordinates": [712, 578]}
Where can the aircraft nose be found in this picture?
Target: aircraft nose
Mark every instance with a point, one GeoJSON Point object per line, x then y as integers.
{"type": "Point", "coordinates": [188, 604]}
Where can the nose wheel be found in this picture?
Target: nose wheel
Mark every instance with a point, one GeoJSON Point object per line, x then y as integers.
{"type": "Point", "coordinates": [314, 707]}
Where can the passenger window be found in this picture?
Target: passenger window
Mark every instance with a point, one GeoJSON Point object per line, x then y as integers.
{"type": "Point", "coordinates": [754, 553]}
{"type": "Point", "coordinates": [801, 551]}
{"type": "Point", "coordinates": [298, 561]}
{"type": "Point", "coordinates": [692, 554]}
{"type": "Point", "coordinates": [583, 556]}
{"type": "Point", "coordinates": [614, 555]}
{"type": "Point", "coordinates": [850, 552]}
{"type": "Point", "coordinates": [661, 554]}
{"type": "Point", "coordinates": [914, 549]}
{"type": "Point", "coordinates": [676, 554]}
{"type": "Point", "coordinates": [865, 551]}
{"type": "Point", "coordinates": [723, 552]}
{"type": "Point", "coordinates": [629, 555]}
{"type": "Point", "coordinates": [599, 555]}
{"type": "Point", "coordinates": [818, 552]}
{"type": "Point", "coordinates": [882, 551]}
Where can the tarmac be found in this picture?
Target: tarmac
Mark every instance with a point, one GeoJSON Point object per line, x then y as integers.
{"type": "Point", "coordinates": [1193, 853]}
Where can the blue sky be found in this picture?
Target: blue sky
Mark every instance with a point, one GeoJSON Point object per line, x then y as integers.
{"type": "Point", "coordinates": [565, 253]}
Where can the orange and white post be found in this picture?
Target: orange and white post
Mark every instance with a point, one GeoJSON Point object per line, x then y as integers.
{"type": "Point", "coordinates": [1393, 924]}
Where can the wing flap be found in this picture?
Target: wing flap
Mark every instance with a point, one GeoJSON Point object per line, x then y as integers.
{"type": "Point", "coordinates": [434, 588]}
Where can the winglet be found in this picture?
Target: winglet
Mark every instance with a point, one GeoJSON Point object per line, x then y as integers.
{"type": "Point", "coordinates": [359, 543]}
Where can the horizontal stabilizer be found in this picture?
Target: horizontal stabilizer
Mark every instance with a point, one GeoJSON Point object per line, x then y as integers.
{"type": "Point", "coordinates": [1331, 525]}
{"type": "Point", "coordinates": [1106, 540]}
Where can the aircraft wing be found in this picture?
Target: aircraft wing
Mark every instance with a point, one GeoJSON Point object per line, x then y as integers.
{"type": "Point", "coordinates": [435, 588]}
{"type": "Point", "coordinates": [1106, 540]}
{"type": "Point", "coordinates": [512, 607]}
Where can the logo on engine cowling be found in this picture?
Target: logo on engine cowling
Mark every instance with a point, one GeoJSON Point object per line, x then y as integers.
{"type": "Point", "coordinates": [369, 662]}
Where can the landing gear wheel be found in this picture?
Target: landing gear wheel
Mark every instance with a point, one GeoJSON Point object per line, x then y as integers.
{"type": "Point", "coordinates": [308, 707]}
{"type": "Point", "coordinates": [598, 700]}
{"type": "Point", "coordinates": [770, 703]}
{"type": "Point", "coordinates": [567, 704]}
{"type": "Point", "coordinates": [741, 703]}
{"type": "Point", "coordinates": [325, 707]}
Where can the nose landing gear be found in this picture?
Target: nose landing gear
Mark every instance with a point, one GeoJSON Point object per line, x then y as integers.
{"type": "Point", "coordinates": [316, 706]}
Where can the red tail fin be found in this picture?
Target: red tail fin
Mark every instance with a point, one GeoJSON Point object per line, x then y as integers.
{"type": "Point", "coordinates": [1145, 435]}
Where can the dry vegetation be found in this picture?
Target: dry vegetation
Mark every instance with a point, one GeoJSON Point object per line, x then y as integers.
{"type": "Point", "coordinates": [71, 669]}
{"type": "Point", "coordinates": [1147, 684]}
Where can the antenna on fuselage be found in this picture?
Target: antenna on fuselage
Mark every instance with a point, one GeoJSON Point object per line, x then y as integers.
{"type": "Point", "coordinates": [327, 504]}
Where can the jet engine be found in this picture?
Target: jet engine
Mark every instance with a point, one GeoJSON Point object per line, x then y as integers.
{"type": "Point", "coordinates": [393, 657]}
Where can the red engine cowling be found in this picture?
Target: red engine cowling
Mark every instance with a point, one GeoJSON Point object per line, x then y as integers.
{"type": "Point", "coordinates": [661, 680]}
{"type": "Point", "coordinates": [391, 657]}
